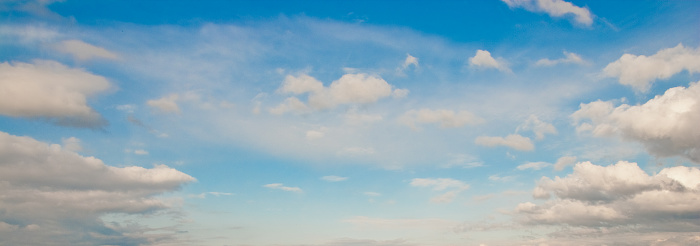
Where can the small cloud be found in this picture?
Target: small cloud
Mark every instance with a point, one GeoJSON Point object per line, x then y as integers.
{"type": "Point", "coordinates": [72, 144]}
{"type": "Point", "coordinates": [333, 178]}
{"type": "Point", "coordinates": [540, 128]}
{"type": "Point", "coordinates": [571, 58]}
{"type": "Point", "coordinates": [409, 61]}
{"type": "Point", "coordinates": [280, 186]}
{"type": "Point", "coordinates": [446, 118]}
{"type": "Point", "coordinates": [129, 108]}
{"type": "Point", "coordinates": [140, 152]}
{"type": "Point", "coordinates": [513, 141]}
{"type": "Point", "coordinates": [501, 178]}
{"type": "Point", "coordinates": [84, 51]}
{"type": "Point", "coordinates": [533, 165]}
{"type": "Point", "coordinates": [439, 184]}
{"type": "Point", "coordinates": [554, 8]}
{"type": "Point", "coordinates": [563, 162]}
{"type": "Point", "coordinates": [483, 59]}
{"type": "Point", "coordinates": [167, 104]}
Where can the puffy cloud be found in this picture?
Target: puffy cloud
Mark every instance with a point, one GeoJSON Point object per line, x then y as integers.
{"type": "Point", "coordinates": [554, 8]}
{"type": "Point", "coordinates": [167, 104]}
{"type": "Point", "coordinates": [666, 124]}
{"type": "Point", "coordinates": [563, 162]}
{"type": "Point", "coordinates": [483, 59]}
{"type": "Point", "coordinates": [50, 90]}
{"type": "Point", "coordinates": [619, 196]}
{"type": "Point", "coordinates": [533, 165]}
{"type": "Point", "coordinates": [640, 71]}
{"type": "Point", "coordinates": [280, 186]}
{"type": "Point", "coordinates": [333, 178]}
{"type": "Point", "coordinates": [540, 128]}
{"type": "Point", "coordinates": [446, 118]}
{"type": "Point", "coordinates": [570, 58]}
{"type": "Point", "coordinates": [84, 51]}
{"type": "Point", "coordinates": [514, 141]}
{"type": "Point", "coordinates": [49, 190]}
{"type": "Point", "coordinates": [349, 89]}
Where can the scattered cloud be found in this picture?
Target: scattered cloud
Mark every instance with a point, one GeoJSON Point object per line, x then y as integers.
{"type": "Point", "coordinates": [84, 51]}
{"type": "Point", "coordinates": [441, 184]}
{"type": "Point", "coordinates": [280, 186]}
{"type": "Point", "coordinates": [665, 125]}
{"type": "Point", "coordinates": [167, 104]}
{"type": "Point", "coordinates": [483, 59]}
{"type": "Point", "coordinates": [446, 118]}
{"type": "Point", "coordinates": [409, 61]}
{"type": "Point", "coordinates": [49, 189]}
{"type": "Point", "coordinates": [356, 88]}
{"type": "Point", "coordinates": [514, 141]}
{"type": "Point", "coordinates": [50, 90]}
{"type": "Point", "coordinates": [533, 165]}
{"type": "Point", "coordinates": [554, 8]}
{"type": "Point", "coordinates": [570, 58]}
{"type": "Point", "coordinates": [333, 178]}
{"type": "Point", "coordinates": [641, 71]}
{"type": "Point", "coordinates": [540, 128]}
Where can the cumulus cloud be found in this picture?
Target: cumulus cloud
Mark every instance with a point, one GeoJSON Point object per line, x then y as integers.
{"type": "Point", "coordinates": [49, 189]}
{"type": "Point", "coordinates": [50, 90]}
{"type": "Point", "coordinates": [540, 128]}
{"type": "Point", "coordinates": [166, 104]}
{"type": "Point", "coordinates": [446, 118]}
{"type": "Point", "coordinates": [641, 71]}
{"type": "Point", "coordinates": [569, 58]}
{"type": "Point", "coordinates": [514, 141]}
{"type": "Point", "coordinates": [280, 186]}
{"type": "Point", "coordinates": [440, 184]}
{"type": "Point", "coordinates": [483, 59]}
{"type": "Point", "coordinates": [356, 88]}
{"type": "Point", "coordinates": [554, 8]}
{"type": "Point", "coordinates": [333, 178]}
{"type": "Point", "coordinates": [84, 51]}
{"type": "Point", "coordinates": [619, 196]}
{"type": "Point", "coordinates": [666, 124]}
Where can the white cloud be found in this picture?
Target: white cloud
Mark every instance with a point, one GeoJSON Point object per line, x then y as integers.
{"type": "Point", "coordinates": [446, 118]}
{"type": "Point", "coordinates": [167, 104]}
{"type": "Point", "coordinates": [140, 152]}
{"type": "Point", "coordinates": [48, 188]}
{"type": "Point", "coordinates": [441, 184]}
{"type": "Point", "coordinates": [410, 60]}
{"type": "Point", "coordinates": [499, 178]}
{"type": "Point", "coordinates": [280, 186]}
{"type": "Point", "coordinates": [483, 59]}
{"type": "Point", "coordinates": [333, 178]}
{"type": "Point", "coordinates": [540, 128]}
{"type": "Point", "coordinates": [569, 58]}
{"type": "Point", "coordinates": [533, 165]}
{"type": "Point", "coordinates": [620, 196]}
{"type": "Point", "coordinates": [554, 8]}
{"type": "Point", "coordinates": [666, 124]}
{"type": "Point", "coordinates": [563, 162]}
{"type": "Point", "coordinates": [514, 141]}
{"type": "Point", "coordinates": [84, 51]}
{"type": "Point", "coordinates": [640, 71]}
{"type": "Point", "coordinates": [291, 104]}
{"type": "Point", "coordinates": [50, 90]}
{"type": "Point", "coordinates": [357, 88]}
{"type": "Point", "coordinates": [71, 144]}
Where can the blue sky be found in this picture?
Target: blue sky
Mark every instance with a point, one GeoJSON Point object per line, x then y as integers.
{"type": "Point", "coordinates": [515, 122]}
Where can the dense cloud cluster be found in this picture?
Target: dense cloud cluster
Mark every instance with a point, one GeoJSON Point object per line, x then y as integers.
{"type": "Point", "coordinates": [51, 194]}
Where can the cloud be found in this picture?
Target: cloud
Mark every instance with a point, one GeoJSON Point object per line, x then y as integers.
{"type": "Point", "coordinates": [483, 59]}
{"type": "Point", "coordinates": [280, 186]}
{"type": "Point", "coordinates": [333, 178]}
{"type": "Point", "coordinates": [357, 88]}
{"type": "Point", "coordinates": [371, 193]}
{"type": "Point", "coordinates": [554, 8]}
{"type": "Point", "coordinates": [540, 128]}
{"type": "Point", "coordinates": [84, 51]}
{"type": "Point", "coordinates": [49, 190]}
{"type": "Point", "coordinates": [446, 118]}
{"type": "Point", "coordinates": [50, 90]}
{"type": "Point", "coordinates": [563, 162]}
{"type": "Point", "coordinates": [381, 223]}
{"type": "Point", "coordinates": [167, 104]}
{"type": "Point", "coordinates": [666, 124]}
{"type": "Point", "coordinates": [641, 71]}
{"type": "Point", "coordinates": [409, 61]}
{"type": "Point", "coordinates": [441, 184]}
{"type": "Point", "coordinates": [570, 58]}
{"type": "Point", "coordinates": [514, 141]}
{"type": "Point", "coordinates": [533, 165]}
{"type": "Point", "coordinates": [618, 197]}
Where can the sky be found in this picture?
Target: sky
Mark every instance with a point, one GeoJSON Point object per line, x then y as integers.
{"type": "Point", "coordinates": [338, 123]}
